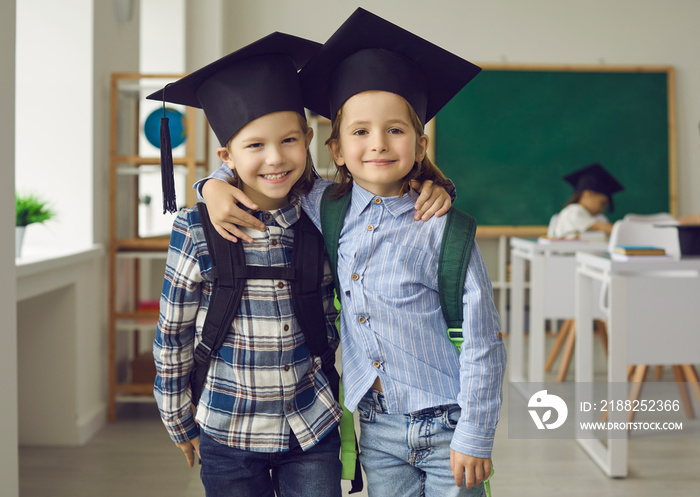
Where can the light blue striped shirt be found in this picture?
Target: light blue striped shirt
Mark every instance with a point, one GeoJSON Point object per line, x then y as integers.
{"type": "Point", "coordinates": [392, 325]}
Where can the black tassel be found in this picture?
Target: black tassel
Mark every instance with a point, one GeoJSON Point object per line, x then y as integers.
{"type": "Point", "coordinates": [166, 164]}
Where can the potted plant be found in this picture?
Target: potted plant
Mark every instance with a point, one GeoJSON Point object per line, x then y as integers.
{"type": "Point", "coordinates": [29, 209]}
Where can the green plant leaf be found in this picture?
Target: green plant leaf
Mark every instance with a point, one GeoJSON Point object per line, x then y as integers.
{"type": "Point", "coordinates": [30, 209]}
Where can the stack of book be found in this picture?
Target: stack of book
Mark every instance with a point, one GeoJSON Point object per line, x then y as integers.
{"type": "Point", "coordinates": [635, 251]}
{"type": "Point", "coordinates": [639, 250]}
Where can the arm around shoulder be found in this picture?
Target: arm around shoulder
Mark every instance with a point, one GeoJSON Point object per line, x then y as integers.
{"type": "Point", "coordinates": [222, 201]}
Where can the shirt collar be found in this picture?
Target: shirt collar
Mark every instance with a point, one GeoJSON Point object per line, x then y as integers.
{"type": "Point", "coordinates": [396, 206]}
{"type": "Point", "coordinates": [284, 217]}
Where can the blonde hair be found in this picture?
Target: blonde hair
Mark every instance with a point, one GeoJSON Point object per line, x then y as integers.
{"type": "Point", "coordinates": [305, 182]}
{"type": "Point", "coordinates": [421, 171]}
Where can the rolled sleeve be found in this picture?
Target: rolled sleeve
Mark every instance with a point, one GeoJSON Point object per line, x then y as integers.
{"type": "Point", "coordinates": [224, 173]}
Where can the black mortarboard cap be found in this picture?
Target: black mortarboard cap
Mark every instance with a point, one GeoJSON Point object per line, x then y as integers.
{"type": "Point", "coordinates": [238, 88]}
{"type": "Point", "coordinates": [595, 177]}
{"type": "Point", "coordinates": [369, 53]}
{"type": "Point", "coordinates": [688, 238]}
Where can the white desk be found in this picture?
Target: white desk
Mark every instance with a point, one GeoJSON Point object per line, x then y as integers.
{"type": "Point", "coordinates": [60, 346]}
{"type": "Point", "coordinates": [654, 317]}
{"type": "Point", "coordinates": [552, 269]}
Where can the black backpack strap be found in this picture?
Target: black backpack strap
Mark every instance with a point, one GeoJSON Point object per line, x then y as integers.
{"type": "Point", "coordinates": [455, 250]}
{"type": "Point", "coordinates": [307, 263]}
{"type": "Point", "coordinates": [332, 216]}
{"type": "Point", "coordinates": [263, 272]}
{"type": "Point", "coordinates": [227, 259]}
{"type": "Point", "coordinates": [307, 297]}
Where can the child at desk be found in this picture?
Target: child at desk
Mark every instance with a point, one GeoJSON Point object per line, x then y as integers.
{"type": "Point", "coordinates": [594, 187]}
{"type": "Point", "coordinates": [583, 214]}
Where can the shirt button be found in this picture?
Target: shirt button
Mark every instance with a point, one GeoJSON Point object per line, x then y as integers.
{"type": "Point", "coordinates": [355, 277]}
{"type": "Point", "coordinates": [273, 242]}
{"type": "Point", "coordinates": [286, 327]}
{"type": "Point", "coordinates": [280, 285]}
{"type": "Point", "coordinates": [267, 216]}
{"type": "Point", "coordinates": [370, 227]}
{"type": "Point", "coordinates": [286, 367]}
{"type": "Point", "coordinates": [362, 319]}
{"type": "Point", "coordinates": [500, 335]}
{"type": "Point", "coordinates": [376, 364]}
{"type": "Point", "coordinates": [289, 407]}
{"type": "Point", "coordinates": [377, 200]}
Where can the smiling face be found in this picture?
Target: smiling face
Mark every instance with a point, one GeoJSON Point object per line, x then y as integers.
{"type": "Point", "coordinates": [377, 141]}
{"type": "Point", "coordinates": [268, 155]}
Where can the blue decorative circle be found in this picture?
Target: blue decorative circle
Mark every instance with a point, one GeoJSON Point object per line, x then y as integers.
{"type": "Point", "coordinates": [151, 127]}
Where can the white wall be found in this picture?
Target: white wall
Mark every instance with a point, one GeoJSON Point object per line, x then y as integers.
{"type": "Point", "coordinates": [54, 120]}
{"type": "Point", "coordinates": [162, 32]}
{"type": "Point", "coordinates": [9, 466]}
{"type": "Point", "coordinates": [205, 16]}
{"type": "Point", "coordinates": [619, 32]}
{"type": "Point", "coordinates": [116, 49]}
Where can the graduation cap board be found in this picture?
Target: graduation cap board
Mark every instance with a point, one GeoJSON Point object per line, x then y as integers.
{"type": "Point", "coordinates": [596, 178]}
{"type": "Point", "coordinates": [370, 53]}
{"type": "Point", "coordinates": [236, 89]}
{"type": "Point", "coordinates": [688, 238]}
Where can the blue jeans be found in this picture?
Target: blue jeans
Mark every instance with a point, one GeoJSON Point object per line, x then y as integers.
{"type": "Point", "coordinates": [408, 455]}
{"type": "Point", "coordinates": [229, 472]}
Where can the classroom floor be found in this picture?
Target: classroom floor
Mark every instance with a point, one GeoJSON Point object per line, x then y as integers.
{"type": "Point", "coordinates": [134, 456]}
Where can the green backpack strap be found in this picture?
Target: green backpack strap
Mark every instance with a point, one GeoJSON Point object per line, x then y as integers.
{"type": "Point", "coordinates": [332, 216]}
{"type": "Point", "coordinates": [348, 448]}
{"type": "Point", "coordinates": [455, 250]}
{"type": "Point", "coordinates": [487, 483]}
{"type": "Point", "coordinates": [348, 441]}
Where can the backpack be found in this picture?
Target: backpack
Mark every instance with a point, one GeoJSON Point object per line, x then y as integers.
{"type": "Point", "coordinates": [457, 241]}
{"type": "Point", "coordinates": [230, 274]}
{"type": "Point", "coordinates": [306, 274]}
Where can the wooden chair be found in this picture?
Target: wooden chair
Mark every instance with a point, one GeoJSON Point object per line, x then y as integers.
{"type": "Point", "coordinates": [685, 376]}
{"type": "Point", "coordinates": [566, 337]}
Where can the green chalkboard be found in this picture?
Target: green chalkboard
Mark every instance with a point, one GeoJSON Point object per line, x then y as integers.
{"type": "Point", "coordinates": [509, 136]}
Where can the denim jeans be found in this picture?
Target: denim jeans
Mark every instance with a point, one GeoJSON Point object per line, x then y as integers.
{"type": "Point", "coordinates": [228, 472]}
{"type": "Point", "coordinates": [408, 455]}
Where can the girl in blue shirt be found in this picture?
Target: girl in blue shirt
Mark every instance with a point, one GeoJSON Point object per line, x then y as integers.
{"type": "Point", "coordinates": [428, 414]}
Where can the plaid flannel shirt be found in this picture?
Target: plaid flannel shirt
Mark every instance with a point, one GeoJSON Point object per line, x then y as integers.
{"type": "Point", "coordinates": [263, 381]}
